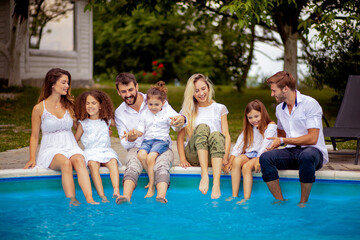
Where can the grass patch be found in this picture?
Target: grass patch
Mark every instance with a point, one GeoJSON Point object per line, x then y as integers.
{"type": "Point", "coordinates": [15, 114]}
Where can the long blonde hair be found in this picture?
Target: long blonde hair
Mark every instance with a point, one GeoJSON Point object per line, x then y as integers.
{"type": "Point", "coordinates": [190, 105]}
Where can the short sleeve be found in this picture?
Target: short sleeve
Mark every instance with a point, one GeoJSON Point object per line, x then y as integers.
{"type": "Point", "coordinates": [314, 115]}
{"type": "Point", "coordinates": [223, 110]}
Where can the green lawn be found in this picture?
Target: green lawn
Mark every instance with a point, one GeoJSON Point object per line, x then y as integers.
{"type": "Point", "coordinates": [15, 115]}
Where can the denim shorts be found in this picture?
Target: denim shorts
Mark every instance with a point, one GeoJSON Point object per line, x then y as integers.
{"type": "Point", "coordinates": [154, 145]}
{"type": "Point", "coordinates": [251, 155]}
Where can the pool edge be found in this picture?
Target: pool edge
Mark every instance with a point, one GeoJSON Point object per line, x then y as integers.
{"type": "Point", "coordinates": [323, 174]}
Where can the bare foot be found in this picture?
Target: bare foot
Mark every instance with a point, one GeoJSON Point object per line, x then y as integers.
{"type": "Point", "coordinates": [150, 192]}
{"type": "Point", "coordinates": [116, 195]}
{"type": "Point", "coordinates": [91, 201]}
{"type": "Point", "coordinates": [104, 199]}
{"type": "Point", "coordinates": [230, 199]}
{"type": "Point", "coordinates": [161, 199]}
{"type": "Point", "coordinates": [215, 193]}
{"type": "Point", "coordinates": [74, 202]}
{"type": "Point", "coordinates": [122, 199]}
{"type": "Point", "coordinates": [242, 201]}
{"type": "Point", "coordinates": [204, 184]}
{"type": "Point", "coordinates": [147, 186]}
{"type": "Point", "coordinates": [301, 204]}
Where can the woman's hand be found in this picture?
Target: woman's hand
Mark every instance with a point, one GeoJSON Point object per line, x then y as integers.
{"type": "Point", "coordinates": [30, 164]}
{"type": "Point", "coordinates": [227, 168]}
{"type": "Point", "coordinates": [184, 163]}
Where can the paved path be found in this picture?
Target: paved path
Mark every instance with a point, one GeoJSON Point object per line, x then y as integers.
{"type": "Point", "coordinates": [16, 159]}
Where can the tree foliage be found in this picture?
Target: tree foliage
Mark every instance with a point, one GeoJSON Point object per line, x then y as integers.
{"type": "Point", "coordinates": [331, 66]}
{"type": "Point", "coordinates": [186, 40]}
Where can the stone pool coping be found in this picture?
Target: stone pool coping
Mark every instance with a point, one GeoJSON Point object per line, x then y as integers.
{"type": "Point", "coordinates": [324, 174]}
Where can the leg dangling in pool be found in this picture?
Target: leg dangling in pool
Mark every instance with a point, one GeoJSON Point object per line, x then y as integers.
{"type": "Point", "coordinates": [74, 202]}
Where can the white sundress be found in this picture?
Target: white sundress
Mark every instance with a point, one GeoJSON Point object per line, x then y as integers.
{"type": "Point", "coordinates": [96, 141]}
{"type": "Point", "coordinates": [57, 138]}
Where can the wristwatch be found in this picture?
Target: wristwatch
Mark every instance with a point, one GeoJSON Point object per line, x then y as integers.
{"type": "Point", "coordinates": [282, 141]}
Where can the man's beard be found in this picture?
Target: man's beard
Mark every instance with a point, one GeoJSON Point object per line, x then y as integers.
{"type": "Point", "coordinates": [134, 97]}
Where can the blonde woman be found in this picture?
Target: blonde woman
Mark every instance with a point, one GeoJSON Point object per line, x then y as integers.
{"type": "Point", "coordinates": [207, 133]}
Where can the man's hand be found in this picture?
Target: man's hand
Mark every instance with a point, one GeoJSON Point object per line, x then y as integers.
{"type": "Point", "coordinates": [274, 144]}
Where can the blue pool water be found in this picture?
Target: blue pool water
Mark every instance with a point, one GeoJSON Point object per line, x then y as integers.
{"type": "Point", "coordinates": [38, 209]}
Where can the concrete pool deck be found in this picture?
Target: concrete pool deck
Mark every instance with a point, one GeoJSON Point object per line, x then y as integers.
{"type": "Point", "coordinates": [340, 166]}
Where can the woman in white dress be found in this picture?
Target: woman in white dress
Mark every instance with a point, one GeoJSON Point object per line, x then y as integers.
{"type": "Point", "coordinates": [58, 150]}
{"type": "Point", "coordinates": [206, 131]}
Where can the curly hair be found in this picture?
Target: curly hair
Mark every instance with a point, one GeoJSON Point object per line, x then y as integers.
{"type": "Point", "coordinates": [52, 76]}
{"type": "Point", "coordinates": [159, 90]}
{"type": "Point", "coordinates": [106, 111]}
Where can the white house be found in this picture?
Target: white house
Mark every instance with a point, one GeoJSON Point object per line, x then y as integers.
{"type": "Point", "coordinates": [35, 63]}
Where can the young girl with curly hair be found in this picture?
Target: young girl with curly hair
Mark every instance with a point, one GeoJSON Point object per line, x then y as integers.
{"type": "Point", "coordinates": [95, 113]}
{"type": "Point", "coordinates": [251, 143]}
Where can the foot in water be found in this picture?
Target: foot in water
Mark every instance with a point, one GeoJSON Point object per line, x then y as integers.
{"type": "Point", "coordinates": [161, 199]}
{"type": "Point", "coordinates": [122, 199]}
{"type": "Point", "coordinates": [150, 192]}
{"type": "Point", "coordinates": [104, 199]}
{"type": "Point", "coordinates": [215, 192]}
{"type": "Point", "coordinates": [204, 184]}
{"type": "Point", "coordinates": [74, 202]}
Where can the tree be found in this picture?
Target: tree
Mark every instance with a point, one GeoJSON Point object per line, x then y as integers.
{"type": "Point", "coordinates": [42, 12]}
{"type": "Point", "coordinates": [186, 40]}
{"type": "Point", "coordinates": [331, 66]}
{"type": "Point", "coordinates": [292, 19]}
{"type": "Point", "coordinates": [17, 38]}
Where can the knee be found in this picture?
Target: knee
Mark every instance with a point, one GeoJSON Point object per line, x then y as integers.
{"type": "Point", "coordinates": [236, 162]}
{"type": "Point", "coordinates": [78, 161]}
{"type": "Point", "coordinates": [66, 166]}
{"type": "Point", "coordinates": [264, 159]}
{"type": "Point", "coordinates": [142, 155]}
{"type": "Point", "coordinates": [203, 128]}
{"type": "Point", "coordinates": [93, 165]}
{"type": "Point", "coordinates": [247, 168]}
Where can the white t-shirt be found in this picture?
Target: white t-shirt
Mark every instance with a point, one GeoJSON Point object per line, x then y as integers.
{"type": "Point", "coordinates": [156, 126]}
{"type": "Point", "coordinates": [211, 115]}
{"type": "Point", "coordinates": [307, 113]}
{"type": "Point", "coordinates": [260, 143]}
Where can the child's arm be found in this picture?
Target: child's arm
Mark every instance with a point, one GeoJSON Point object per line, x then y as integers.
{"type": "Point", "coordinates": [132, 135]}
{"type": "Point", "coordinates": [79, 132]}
{"type": "Point", "coordinates": [227, 167]}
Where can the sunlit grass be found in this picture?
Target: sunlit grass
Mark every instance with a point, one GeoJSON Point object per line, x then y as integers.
{"type": "Point", "coordinates": [15, 115]}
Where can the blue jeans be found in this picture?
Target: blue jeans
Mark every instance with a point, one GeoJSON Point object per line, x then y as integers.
{"type": "Point", "coordinates": [307, 160]}
{"type": "Point", "coordinates": [155, 145]}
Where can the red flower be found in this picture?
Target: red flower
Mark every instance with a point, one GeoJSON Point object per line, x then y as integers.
{"type": "Point", "coordinates": [154, 73]}
{"type": "Point", "coordinates": [144, 73]}
{"type": "Point", "coordinates": [154, 62]}
{"type": "Point", "coordinates": [161, 66]}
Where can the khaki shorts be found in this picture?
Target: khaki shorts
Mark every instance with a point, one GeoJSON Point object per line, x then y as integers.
{"type": "Point", "coordinates": [162, 166]}
{"type": "Point", "coordinates": [213, 142]}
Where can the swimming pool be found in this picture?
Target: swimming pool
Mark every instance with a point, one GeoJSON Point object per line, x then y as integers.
{"type": "Point", "coordinates": [35, 208]}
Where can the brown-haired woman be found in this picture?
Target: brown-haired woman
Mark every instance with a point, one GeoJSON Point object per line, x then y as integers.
{"type": "Point", "coordinates": [59, 150]}
{"type": "Point", "coordinates": [95, 113]}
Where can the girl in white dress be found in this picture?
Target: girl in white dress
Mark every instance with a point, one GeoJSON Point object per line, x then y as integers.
{"type": "Point", "coordinates": [95, 113]}
{"type": "Point", "coordinates": [251, 143]}
{"type": "Point", "coordinates": [58, 150]}
{"type": "Point", "coordinates": [207, 132]}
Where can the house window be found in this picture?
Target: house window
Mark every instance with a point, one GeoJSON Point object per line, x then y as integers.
{"type": "Point", "coordinates": [51, 25]}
